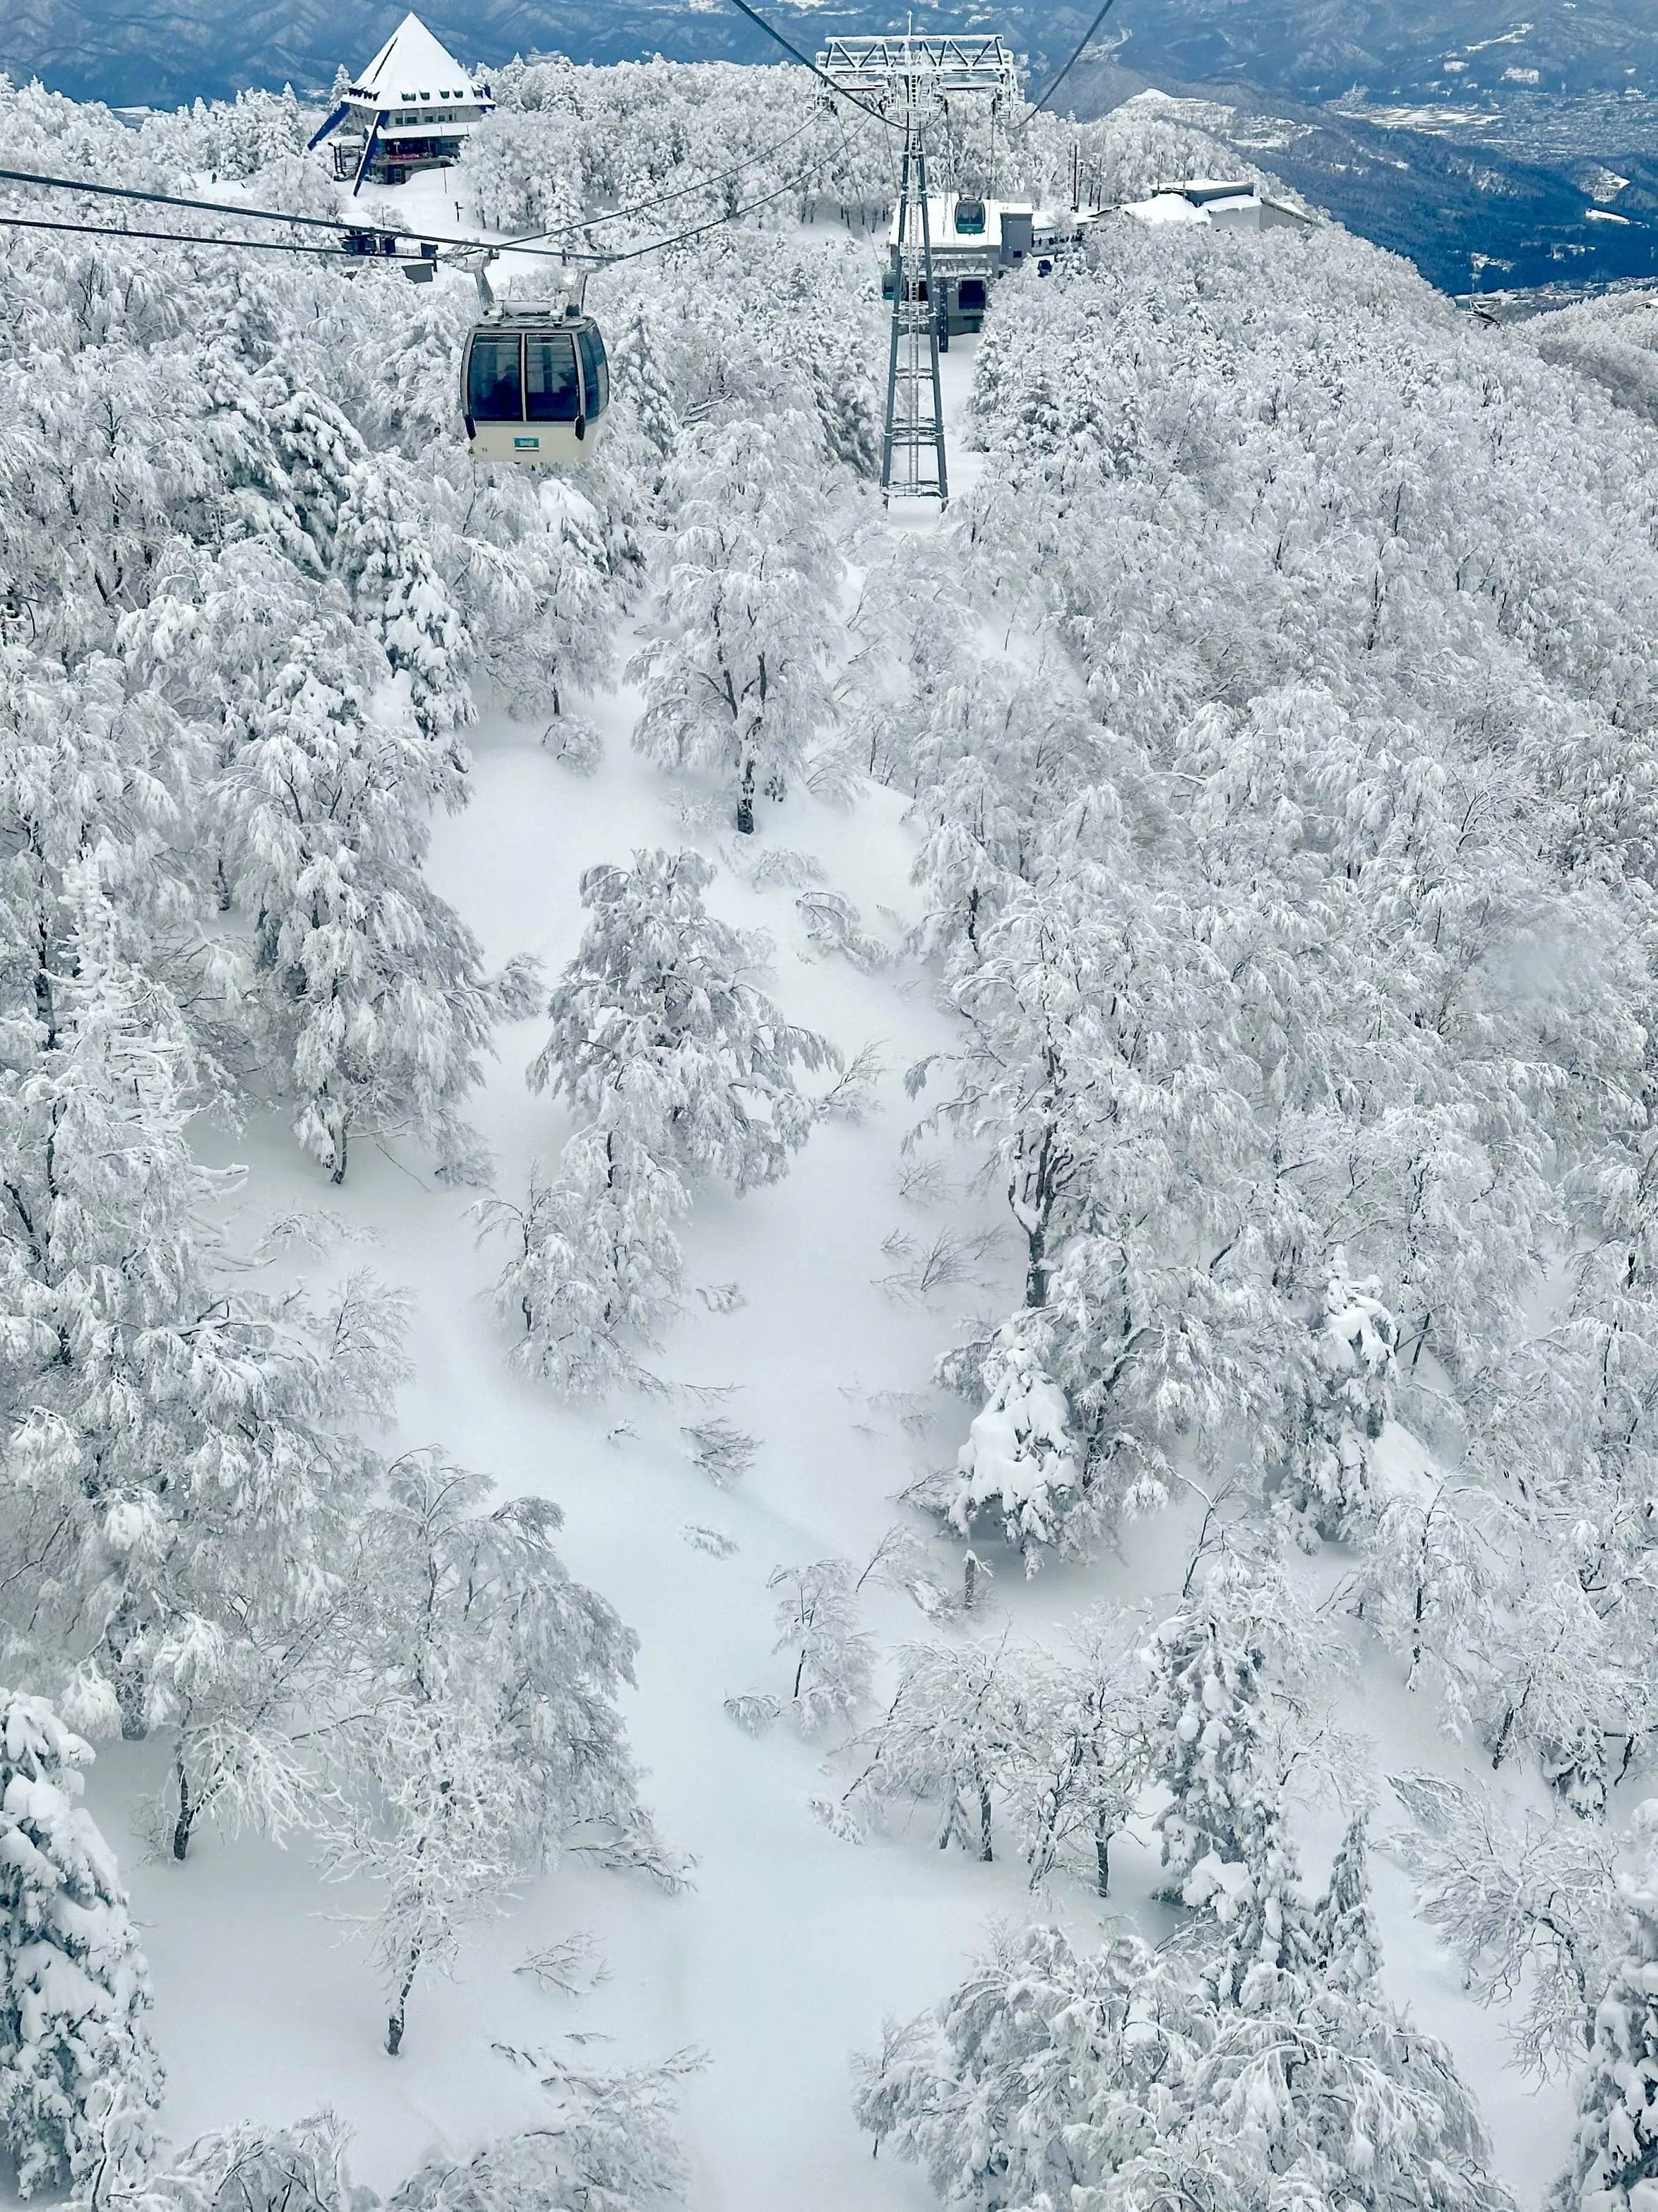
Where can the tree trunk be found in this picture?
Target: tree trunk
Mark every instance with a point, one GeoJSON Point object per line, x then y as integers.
{"type": "Point", "coordinates": [1036, 1271]}
{"type": "Point", "coordinates": [1102, 1862]}
{"type": "Point", "coordinates": [745, 800]}
{"type": "Point", "coordinates": [1507, 1730]}
{"type": "Point", "coordinates": [181, 1826]}
{"type": "Point", "coordinates": [984, 1852]}
{"type": "Point", "coordinates": [129, 1673]}
{"type": "Point", "coordinates": [338, 1175]}
{"type": "Point", "coordinates": [394, 2026]}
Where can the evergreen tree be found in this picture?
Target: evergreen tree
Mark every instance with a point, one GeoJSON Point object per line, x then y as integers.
{"type": "Point", "coordinates": [1344, 1939]}
{"type": "Point", "coordinates": [1348, 1402]}
{"type": "Point", "coordinates": [1614, 2166]}
{"type": "Point", "coordinates": [641, 383]}
{"type": "Point", "coordinates": [1211, 1704]}
{"type": "Point", "coordinates": [1269, 1955]}
{"type": "Point", "coordinates": [73, 1985]}
{"type": "Point", "coordinates": [398, 597]}
{"type": "Point", "coordinates": [1020, 1463]}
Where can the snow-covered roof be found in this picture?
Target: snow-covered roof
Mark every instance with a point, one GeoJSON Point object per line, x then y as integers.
{"type": "Point", "coordinates": [941, 222]}
{"type": "Point", "coordinates": [1165, 207]}
{"type": "Point", "coordinates": [1221, 205]}
{"type": "Point", "coordinates": [412, 66]}
{"type": "Point", "coordinates": [1201, 190]}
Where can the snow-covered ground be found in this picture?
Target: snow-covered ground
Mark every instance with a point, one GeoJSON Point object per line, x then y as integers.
{"type": "Point", "coordinates": [786, 1953]}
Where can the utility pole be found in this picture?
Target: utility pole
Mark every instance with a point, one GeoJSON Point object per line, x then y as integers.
{"type": "Point", "coordinates": [909, 79]}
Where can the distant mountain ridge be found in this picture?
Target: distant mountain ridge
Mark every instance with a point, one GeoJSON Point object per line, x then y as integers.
{"type": "Point", "coordinates": [1450, 54]}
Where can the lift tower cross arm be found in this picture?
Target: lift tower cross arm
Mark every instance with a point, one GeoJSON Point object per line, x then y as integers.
{"type": "Point", "coordinates": [906, 79]}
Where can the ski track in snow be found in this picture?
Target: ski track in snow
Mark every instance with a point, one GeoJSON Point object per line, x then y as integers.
{"type": "Point", "coordinates": [792, 1946]}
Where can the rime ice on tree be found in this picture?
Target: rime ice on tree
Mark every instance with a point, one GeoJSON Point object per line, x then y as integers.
{"type": "Point", "coordinates": [75, 2049]}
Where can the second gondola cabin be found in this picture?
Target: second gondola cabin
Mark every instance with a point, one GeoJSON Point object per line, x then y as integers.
{"type": "Point", "coordinates": [534, 387]}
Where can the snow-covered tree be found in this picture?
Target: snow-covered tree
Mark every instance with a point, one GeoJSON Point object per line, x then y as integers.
{"type": "Point", "coordinates": [382, 556]}
{"type": "Point", "coordinates": [374, 988]}
{"type": "Point", "coordinates": [681, 1070]}
{"type": "Point", "coordinates": [1020, 1463]}
{"type": "Point", "coordinates": [737, 679]}
{"type": "Point", "coordinates": [1527, 1908]}
{"type": "Point", "coordinates": [1429, 1580]}
{"type": "Point", "coordinates": [1614, 2164]}
{"type": "Point", "coordinates": [593, 1267]}
{"type": "Point", "coordinates": [73, 1985]}
{"type": "Point", "coordinates": [481, 1728]}
{"type": "Point", "coordinates": [1222, 1665]}
{"type": "Point", "coordinates": [1078, 1763]}
{"type": "Point", "coordinates": [658, 1020]}
{"type": "Point", "coordinates": [817, 1628]}
{"type": "Point", "coordinates": [607, 2139]}
{"type": "Point", "coordinates": [1114, 2077]}
{"type": "Point", "coordinates": [247, 2168]}
{"type": "Point", "coordinates": [1043, 2071]}
{"type": "Point", "coordinates": [1349, 1402]}
{"type": "Point", "coordinates": [1269, 1953]}
{"type": "Point", "coordinates": [1344, 1939]}
{"type": "Point", "coordinates": [943, 1740]}
{"type": "Point", "coordinates": [640, 385]}
{"type": "Point", "coordinates": [181, 1456]}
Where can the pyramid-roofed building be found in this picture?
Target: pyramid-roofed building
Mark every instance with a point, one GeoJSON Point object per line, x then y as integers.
{"type": "Point", "coordinates": [412, 108]}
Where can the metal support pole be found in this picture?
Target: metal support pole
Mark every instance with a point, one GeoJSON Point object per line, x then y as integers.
{"type": "Point", "coordinates": [912, 464]}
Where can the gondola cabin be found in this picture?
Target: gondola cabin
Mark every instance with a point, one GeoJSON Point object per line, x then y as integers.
{"type": "Point", "coordinates": [535, 386]}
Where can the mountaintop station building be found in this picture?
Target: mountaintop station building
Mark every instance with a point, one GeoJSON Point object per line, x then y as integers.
{"type": "Point", "coordinates": [412, 108]}
{"type": "Point", "coordinates": [1222, 203]}
{"type": "Point", "coordinates": [973, 241]}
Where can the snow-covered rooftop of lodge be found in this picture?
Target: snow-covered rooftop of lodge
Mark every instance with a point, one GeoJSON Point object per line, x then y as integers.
{"type": "Point", "coordinates": [412, 64]}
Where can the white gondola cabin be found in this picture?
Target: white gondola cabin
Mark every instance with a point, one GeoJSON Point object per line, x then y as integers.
{"type": "Point", "coordinates": [535, 385]}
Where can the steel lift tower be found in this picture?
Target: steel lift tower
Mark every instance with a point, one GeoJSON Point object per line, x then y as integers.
{"type": "Point", "coordinates": [909, 79]}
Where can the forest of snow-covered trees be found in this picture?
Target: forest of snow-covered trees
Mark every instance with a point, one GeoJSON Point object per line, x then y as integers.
{"type": "Point", "coordinates": [782, 1291]}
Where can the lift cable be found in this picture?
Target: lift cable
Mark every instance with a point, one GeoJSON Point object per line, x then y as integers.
{"type": "Point", "coordinates": [523, 242]}
{"type": "Point", "coordinates": [345, 252]}
{"type": "Point", "coordinates": [1087, 40]}
{"type": "Point", "coordinates": [610, 260]}
{"type": "Point", "coordinates": [663, 199]}
{"type": "Point", "coordinates": [806, 62]}
{"type": "Point", "coordinates": [177, 237]}
{"type": "Point", "coordinates": [170, 199]}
